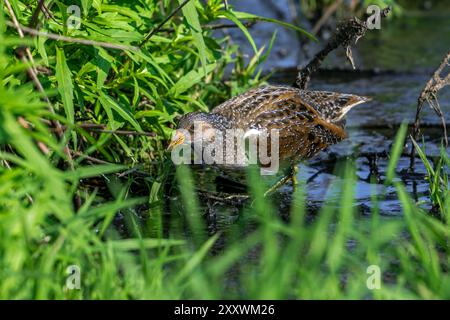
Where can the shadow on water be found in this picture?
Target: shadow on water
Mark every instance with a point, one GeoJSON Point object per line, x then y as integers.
{"type": "Point", "coordinates": [371, 128]}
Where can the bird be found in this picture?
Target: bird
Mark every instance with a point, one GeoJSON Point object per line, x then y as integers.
{"type": "Point", "coordinates": [307, 121]}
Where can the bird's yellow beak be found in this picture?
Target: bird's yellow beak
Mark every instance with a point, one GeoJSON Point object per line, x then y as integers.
{"type": "Point", "coordinates": [177, 139]}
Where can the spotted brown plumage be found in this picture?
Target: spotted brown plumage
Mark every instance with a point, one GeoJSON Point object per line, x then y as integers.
{"type": "Point", "coordinates": [307, 121]}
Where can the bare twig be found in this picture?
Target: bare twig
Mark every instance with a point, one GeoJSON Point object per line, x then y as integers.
{"type": "Point", "coordinates": [225, 4]}
{"type": "Point", "coordinates": [35, 17]}
{"type": "Point", "coordinates": [79, 154]}
{"type": "Point", "coordinates": [346, 34]}
{"type": "Point", "coordinates": [49, 15]}
{"type": "Point", "coordinates": [429, 95]}
{"type": "Point", "coordinates": [223, 197]}
{"type": "Point", "coordinates": [93, 127]}
{"type": "Point", "coordinates": [216, 26]}
{"type": "Point", "coordinates": [58, 37]}
{"type": "Point", "coordinates": [119, 132]}
{"type": "Point", "coordinates": [122, 132]}
{"type": "Point", "coordinates": [328, 13]}
{"type": "Point", "coordinates": [155, 30]}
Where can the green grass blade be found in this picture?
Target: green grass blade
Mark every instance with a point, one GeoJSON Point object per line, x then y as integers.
{"type": "Point", "coordinates": [93, 171]}
{"type": "Point", "coordinates": [109, 102]}
{"type": "Point", "coordinates": [190, 79]}
{"type": "Point", "coordinates": [250, 16]}
{"type": "Point", "coordinates": [423, 157]}
{"type": "Point", "coordinates": [231, 16]}
{"type": "Point", "coordinates": [136, 244]}
{"type": "Point", "coordinates": [396, 152]}
{"type": "Point", "coordinates": [196, 259]}
{"type": "Point", "coordinates": [191, 15]}
{"type": "Point", "coordinates": [65, 85]}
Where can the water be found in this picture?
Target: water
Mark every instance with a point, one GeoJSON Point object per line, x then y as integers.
{"type": "Point", "coordinates": [371, 128]}
{"type": "Point", "coordinates": [400, 59]}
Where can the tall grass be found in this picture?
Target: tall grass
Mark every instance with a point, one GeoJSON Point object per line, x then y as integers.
{"type": "Point", "coordinates": [56, 213]}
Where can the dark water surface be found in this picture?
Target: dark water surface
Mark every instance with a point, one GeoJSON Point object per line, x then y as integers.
{"type": "Point", "coordinates": [399, 60]}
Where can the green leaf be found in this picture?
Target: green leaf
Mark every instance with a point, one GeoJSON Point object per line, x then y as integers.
{"type": "Point", "coordinates": [103, 64]}
{"type": "Point", "coordinates": [102, 210]}
{"type": "Point", "coordinates": [124, 146]}
{"type": "Point", "coordinates": [65, 85]}
{"type": "Point", "coordinates": [41, 49]}
{"type": "Point", "coordinates": [231, 16]}
{"type": "Point", "coordinates": [249, 16]}
{"type": "Point", "coordinates": [196, 258]}
{"type": "Point", "coordinates": [93, 171]}
{"type": "Point", "coordinates": [191, 78]}
{"type": "Point", "coordinates": [86, 4]}
{"type": "Point", "coordinates": [123, 10]}
{"type": "Point", "coordinates": [152, 114]}
{"type": "Point", "coordinates": [151, 60]}
{"type": "Point", "coordinates": [136, 244]}
{"type": "Point", "coordinates": [396, 153]}
{"type": "Point", "coordinates": [424, 158]}
{"type": "Point", "coordinates": [190, 13]}
{"type": "Point", "coordinates": [108, 102]}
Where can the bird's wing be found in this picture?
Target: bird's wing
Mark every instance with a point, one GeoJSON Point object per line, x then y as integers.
{"type": "Point", "coordinates": [247, 105]}
{"type": "Point", "coordinates": [302, 130]}
{"type": "Point", "coordinates": [331, 105]}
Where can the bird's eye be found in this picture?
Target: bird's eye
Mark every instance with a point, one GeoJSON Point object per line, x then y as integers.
{"type": "Point", "coordinates": [177, 118]}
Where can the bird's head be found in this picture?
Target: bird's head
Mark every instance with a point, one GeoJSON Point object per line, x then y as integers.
{"type": "Point", "coordinates": [197, 127]}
